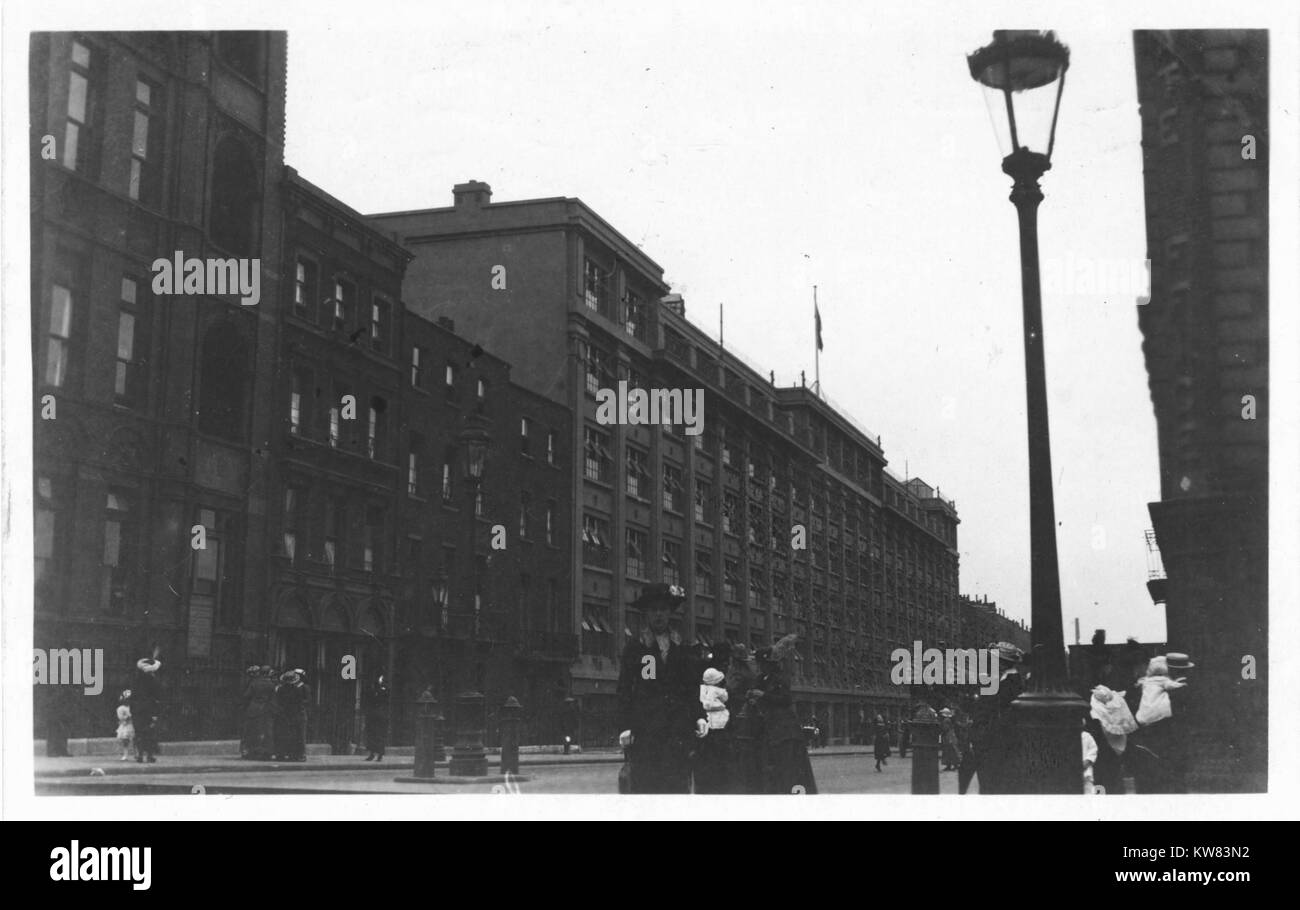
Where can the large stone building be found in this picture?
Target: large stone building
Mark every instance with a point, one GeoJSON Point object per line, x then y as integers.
{"type": "Point", "coordinates": [1205, 141]}
{"type": "Point", "coordinates": [714, 512]}
{"type": "Point", "coordinates": [982, 623]}
{"type": "Point", "coordinates": [314, 434]}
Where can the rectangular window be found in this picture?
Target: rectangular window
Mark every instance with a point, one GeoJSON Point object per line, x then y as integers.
{"type": "Point", "coordinates": [446, 482]}
{"type": "Point", "coordinates": [550, 523]}
{"type": "Point", "coordinates": [124, 379]}
{"type": "Point", "coordinates": [704, 572]}
{"type": "Point", "coordinates": [341, 304]}
{"type": "Point", "coordinates": [60, 336]}
{"type": "Point", "coordinates": [478, 502]}
{"type": "Point", "coordinates": [334, 427]}
{"type": "Point", "coordinates": [550, 447]}
{"type": "Point", "coordinates": [292, 502]}
{"type": "Point", "coordinates": [600, 370]}
{"type": "Point", "coordinates": [379, 310]}
{"type": "Point", "coordinates": [597, 458]}
{"type": "Point", "coordinates": [374, 544]}
{"type": "Point", "coordinates": [525, 430]}
{"type": "Point", "coordinates": [597, 630]}
{"type": "Point", "coordinates": [635, 543]}
{"type": "Point", "coordinates": [413, 456]}
{"type": "Point", "coordinates": [377, 429]}
{"type": "Point", "coordinates": [46, 528]}
{"type": "Point", "coordinates": [673, 494]}
{"type": "Point", "coordinates": [207, 560]}
{"type": "Point", "coordinates": [304, 286]}
{"type": "Point", "coordinates": [335, 526]}
{"type": "Point", "coordinates": [594, 286]}
{"type": "Point", "coordinates": [82, 102]}
{"type": "Point", "coordinates": [703, 501]}
{"type": "Point", "coordinates": [731, 513]}
{"type": "Point", "coordinates": [299, 384]}
{"type": "Point", "coordinates": [672, 559]}
{"type": "Point", "coordinates": [731, 580]}
{"type": "Point", "coordinates": [525, 504]}
{"type": "Point", "coordinates": [595, 541]}
{"type": "Point", "coordinates": [632, 315]}
{"type": "Point", "coordinates": [638, 480]}
{"type": "Point", "coordinates": [146, 146]}
{"type": "Point", "coordinates": [418, 357]}
{"type": "Point", "coordinates": [118, 554]}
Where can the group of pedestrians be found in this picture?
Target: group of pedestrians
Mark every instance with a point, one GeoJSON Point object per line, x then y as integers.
{"type": "Point", "coordinates": [275, 715]}
{"type": "Point", "coordinates": [1140, 731]}
{"type": "Point", "coordinates": [719, 721]}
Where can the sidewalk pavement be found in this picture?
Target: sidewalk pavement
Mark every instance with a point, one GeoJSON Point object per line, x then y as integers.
{"type": "Point", "coordinates": [399, 758]}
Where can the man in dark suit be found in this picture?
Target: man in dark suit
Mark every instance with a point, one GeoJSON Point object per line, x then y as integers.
{"type": "Point", "coordinates": [659, 706]}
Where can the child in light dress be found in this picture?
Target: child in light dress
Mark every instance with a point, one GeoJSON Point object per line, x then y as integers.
{"type": "Point", "coordinates": [125, 728]}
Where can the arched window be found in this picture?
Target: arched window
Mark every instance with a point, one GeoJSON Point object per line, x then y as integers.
{"type": "Point", "coordinates": [236, 198]}
{"type": "Point", "coordinates": [223, 382]}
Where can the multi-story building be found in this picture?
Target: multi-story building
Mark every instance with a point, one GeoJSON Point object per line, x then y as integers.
{"type": "Point", "coordinates": [982, 622]}
{"type": "Point", "coordinates": [313, 435]}
{"type": "Point", "coordinates": [1205, 143]}
{"type": "Point", "coordinates": [149, 418]}
{"type": "Point", "coordinates": [777, 517]}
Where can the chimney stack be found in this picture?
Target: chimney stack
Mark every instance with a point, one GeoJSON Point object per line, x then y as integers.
{"type": "Point", "coordinates": [472, 195]}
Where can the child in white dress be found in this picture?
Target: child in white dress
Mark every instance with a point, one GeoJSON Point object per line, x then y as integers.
{"type": "Point", "coordinates": [125, 727]}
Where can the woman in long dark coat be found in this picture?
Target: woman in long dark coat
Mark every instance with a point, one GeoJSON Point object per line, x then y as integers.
{"type": "Point", "coordinates": [146, 706]}
{"type": "Point", "coordinates": [376, 708]}
{"type": "Point", "coordinates": [291, 718]}
{"type": "Point", "coordinates": [258, 742]}
{"type": "Point", "coordinates": [745, 727]}
{"type": "Point", "coordinates": [880, 741]}
{"type": "Point", "coordinates": [786, 767]}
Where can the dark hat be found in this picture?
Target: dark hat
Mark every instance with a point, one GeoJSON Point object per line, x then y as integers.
{"type": "Point", "coordinates": [1176, 660]}
{"type": "Point", "coordinates": [660, 595]}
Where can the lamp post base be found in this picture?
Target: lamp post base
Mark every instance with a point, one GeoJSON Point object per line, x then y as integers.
{"type": "Point", "coordinates": [1048, 757]}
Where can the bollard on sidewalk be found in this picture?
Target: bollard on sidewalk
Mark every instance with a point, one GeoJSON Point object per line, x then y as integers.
{"type": "Point", "coordinates": [428, 750]}
{"type": "Point", "coordinates": [925, 750]}
{"type": "Point", "coordinates": [468, 757]}
{"type": "Point", "coordinates": [510, 717]}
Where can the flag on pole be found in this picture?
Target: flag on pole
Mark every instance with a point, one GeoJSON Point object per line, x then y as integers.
{"type": "Point", "coordinates": [817, 315]}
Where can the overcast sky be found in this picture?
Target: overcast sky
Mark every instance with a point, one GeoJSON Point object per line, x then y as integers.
{"type": "Point", "coordinates": [755, 157]}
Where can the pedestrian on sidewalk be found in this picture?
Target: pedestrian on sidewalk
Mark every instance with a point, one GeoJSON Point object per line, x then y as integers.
{"type": "Point", "coordinates": [146, 708]}
{"type": "Point", "coordinates": [376, 709]}
{"type": "Point", "coordinates": [786, 767]}
{"type": "Point", "coordinates": [948, 740]}
{"type": "Point", "coordinates": [125, 728]}
{"type": "Point", "coordinates": [659, 710]}
{"type": "Point", "coordinates": [745, 728]}
{"type": "Point", "coordinates": [291, 698]}
{"type": "Point", "coordinates": [258, 740]}
{"type": "Point", "coordinates": [993, 734]}
{"type": "Point", "coordinates": [880, 740]}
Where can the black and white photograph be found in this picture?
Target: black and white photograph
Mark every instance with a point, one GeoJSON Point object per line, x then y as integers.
{"type": "Point", "coordinates": [801, 400]}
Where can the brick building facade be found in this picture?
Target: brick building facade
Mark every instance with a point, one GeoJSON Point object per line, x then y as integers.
{"type": "Point", "coordinates": [314, 435]}
{"type": "Point", "coordinates": [1204, 110]}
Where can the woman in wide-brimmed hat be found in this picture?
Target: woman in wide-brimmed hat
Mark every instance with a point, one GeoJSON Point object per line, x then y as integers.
{"type": "Point", "coordinates": [146, 707]}
{"type": "Point", "coordinates": [291, 717]}
{"type": "Point", "coordinates": [258, 735]}
{"type": "Point", "coordinates": [659, 709]}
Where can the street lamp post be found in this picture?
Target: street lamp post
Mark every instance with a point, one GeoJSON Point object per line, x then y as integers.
{"type": "Point", "coordinates": [468, 758]}
{"type": "Point", "coordinates": [1023, 73]}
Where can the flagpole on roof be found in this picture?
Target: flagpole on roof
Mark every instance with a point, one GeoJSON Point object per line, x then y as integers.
{"type": "Point", "coordinates": [817, 346]}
